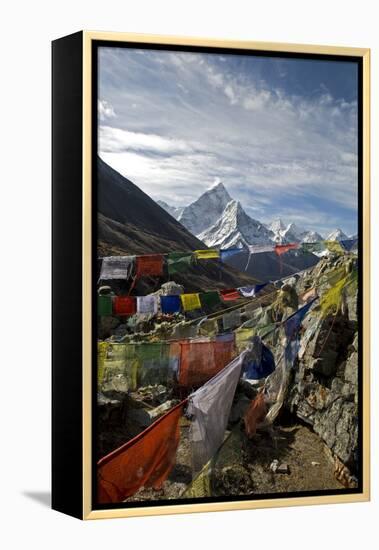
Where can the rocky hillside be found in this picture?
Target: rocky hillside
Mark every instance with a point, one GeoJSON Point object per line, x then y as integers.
{"type": "Point", "coordinates": [324, 391]}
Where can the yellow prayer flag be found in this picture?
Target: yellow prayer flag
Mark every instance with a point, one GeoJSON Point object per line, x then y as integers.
{"type": "Point", "coordinates": [243, 337]}
{"type": "Point", "coordinates": [201, 485]}
{"type": "Point", "coordinates": [334, 246]}
{"type": "Point", "coordinates": [102, 348]}
{"type": "Point", "coordinates": [190, 301]}
{"type": "Point", "coordinates": [210, 254]}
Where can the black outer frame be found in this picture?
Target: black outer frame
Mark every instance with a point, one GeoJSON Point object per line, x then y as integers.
{"type": "Point", "coordinates": [67, 175]}
{"type": "Point", "coordinates": [67, 162]}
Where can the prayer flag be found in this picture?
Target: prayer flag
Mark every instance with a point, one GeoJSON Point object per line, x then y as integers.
{"type": "Point", "coordinates": [200, 360]}
{"type": "Point", "coordinates": [184, 330]}
{"type": "Point", "coordinates": [226, 337]}
{"type": "Point", "coordinates": [255, 414]}
{"type": "Point", "coordinates": [201, 486]}
{"type": "Point", "coordinates": [104, 305]}
{"type": "Point", "coordinates": [210, 299]}
{"type": "Point", "coordinates": [178, 262]}
{"type": "Point", "coordinates": [101, 355]}
{"type": "Point", "coordinates": [170, 304]}
{"type": "Point", "coordinates": [209, 409]}
{"type": "Point", "coordinates": [190, 301]}
{"type": "Point", "coordinates": [144, 461]}
{"type": "Point", "coordinates": [227, 253]}
{"type": "Point", "coordinates": [334, 246]}
{"type": "Point", "coordinates": [259, 361]}
{"type": "Point", "coordinates": [116, 267]}
{"type": "Point", "coordinates": [208, 327]}
{"type": "Point", "coordinates": [292, 324]}
{"type": "Point", "coordinates": [283, 248]}
{"type": "Point", "coordinates": [231, 319]}
{"type": "Point", "coordinates": [210, 254]}
{"type": "Point", "coordinates": [230, 294]}
{"type": "Point", "coordinates": [124, 305]}
{"type": "Point", "coordinates": [259, 248]}
{"type": "Point", "coordinates": [147, 304]}
{"type": "Point", "coordinates": [120, 368]}
{"type": "Point", "coordinates": [251, 291]}
{"type": "Point", "coordinates": [349, 244]}
{"type": "Point", "coordinates": [243, 337]}
{"type": "Point", "coordinates": [151, 264]}
{"type": "Point", "coordinates": [154, 362]}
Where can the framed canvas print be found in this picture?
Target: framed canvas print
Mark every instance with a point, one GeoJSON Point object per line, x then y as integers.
{"type": "Point", "coordinates": [210, 275]}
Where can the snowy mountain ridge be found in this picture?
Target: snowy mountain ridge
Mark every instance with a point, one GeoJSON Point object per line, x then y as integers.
{"type": "Point", "coordinates": [220, 221]}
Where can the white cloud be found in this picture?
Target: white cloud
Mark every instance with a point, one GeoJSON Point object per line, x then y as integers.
{"type": "Point", "coordinates": [115, 140]}
{"type": "Point", "coordinates": [198, 120]}
{"type": "Point", "coordinates": [105, 110]}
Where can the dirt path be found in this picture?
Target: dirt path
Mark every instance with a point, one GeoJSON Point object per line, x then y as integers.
{"type": "Point", "coordinates": [242, 466]}
{"type": "Point", "coordinates": [309, 467]}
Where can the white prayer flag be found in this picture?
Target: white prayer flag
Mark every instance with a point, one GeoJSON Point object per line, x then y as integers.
{"type": "Point", "coordinates": [209, 407]}
{"type": "Point", "coordinates": [147, 304]}
{"type": "Point", "coordinates": [231, 319]}
{"type": "Point", "coordinates": [258, 248]}
{"type": "Point", "coordinates": [116, 267]}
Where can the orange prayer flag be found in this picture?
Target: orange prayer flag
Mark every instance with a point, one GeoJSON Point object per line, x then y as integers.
{"type": "Point", "coordinates": [144, 461]}
{"type": "Point", "coordinates": [255, 414]}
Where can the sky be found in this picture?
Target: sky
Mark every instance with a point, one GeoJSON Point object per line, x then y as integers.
{"type": "Point", "coordinates": [281, 134]}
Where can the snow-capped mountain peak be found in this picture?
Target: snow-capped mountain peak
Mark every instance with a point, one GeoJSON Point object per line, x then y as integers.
{"type": "Point", "coordinates": [235, 228]}
{"type": "Point", "coordinates": [311, 237]}
{"type": "Point", "coordinates": [220, 221]}
{"type": "Point", "coordinates": [337, 235]}
{"type": "Point", "coordinates": [206, 210]}
{"type": "Point", "coordinates": [277, 225]}
{"type": "Point", "coordinates": [175, 211]}
{"type": "Point", "coordinates": [295, 230]}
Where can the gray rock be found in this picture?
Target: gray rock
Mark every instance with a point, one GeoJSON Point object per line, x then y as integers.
{"type": "Point", "coordinates": [283, 469]}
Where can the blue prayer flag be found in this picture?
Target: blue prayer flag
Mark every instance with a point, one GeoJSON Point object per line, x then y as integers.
{"type": "Point", "coordinates": [170, 304]}
{"type": "Point", "coordinates": [292, 325]}
{"type": "Point", "coordinates": [229, 252]}
{"type": "Point", "coordinates": [260, 362]}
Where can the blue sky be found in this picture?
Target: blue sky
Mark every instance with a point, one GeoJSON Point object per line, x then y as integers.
{"type": "Point", "coordinates": [281, 134]}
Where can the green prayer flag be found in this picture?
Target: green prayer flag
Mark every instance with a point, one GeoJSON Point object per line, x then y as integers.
{"type": "Point", "coordinates": [104, 305]}
{"type": "Point", "coordinates": [154, 363]}
{"type": "Point", "coordinates": [210, 299]}
{"type": "Point", "coordinates": [178, 262]}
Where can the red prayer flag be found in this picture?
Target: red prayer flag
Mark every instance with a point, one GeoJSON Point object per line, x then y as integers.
{"type": "Point", "coordinates": [230, 294]}
{"type": "Point", "coordinates": [282, 248]}
{"type": "Point", "coordinates": [144, 461]}
{"type": "Point", "coordinates": [200, 361]}
{"type": "Point", "coordinates": [124, 305]}
{"type": "Point", "coordinates": [151, 264]}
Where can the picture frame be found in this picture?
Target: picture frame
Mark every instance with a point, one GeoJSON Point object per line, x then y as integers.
{"type": "Point", "coordinates": [76, 82]}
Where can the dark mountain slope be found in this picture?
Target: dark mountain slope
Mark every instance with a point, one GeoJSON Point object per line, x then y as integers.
{"type": "Point", "coordinates": [122, 201]}
{"type": "Point", "coordinates": [130, 222]}
{"type": "Point", "coordinates": [267, 266]}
